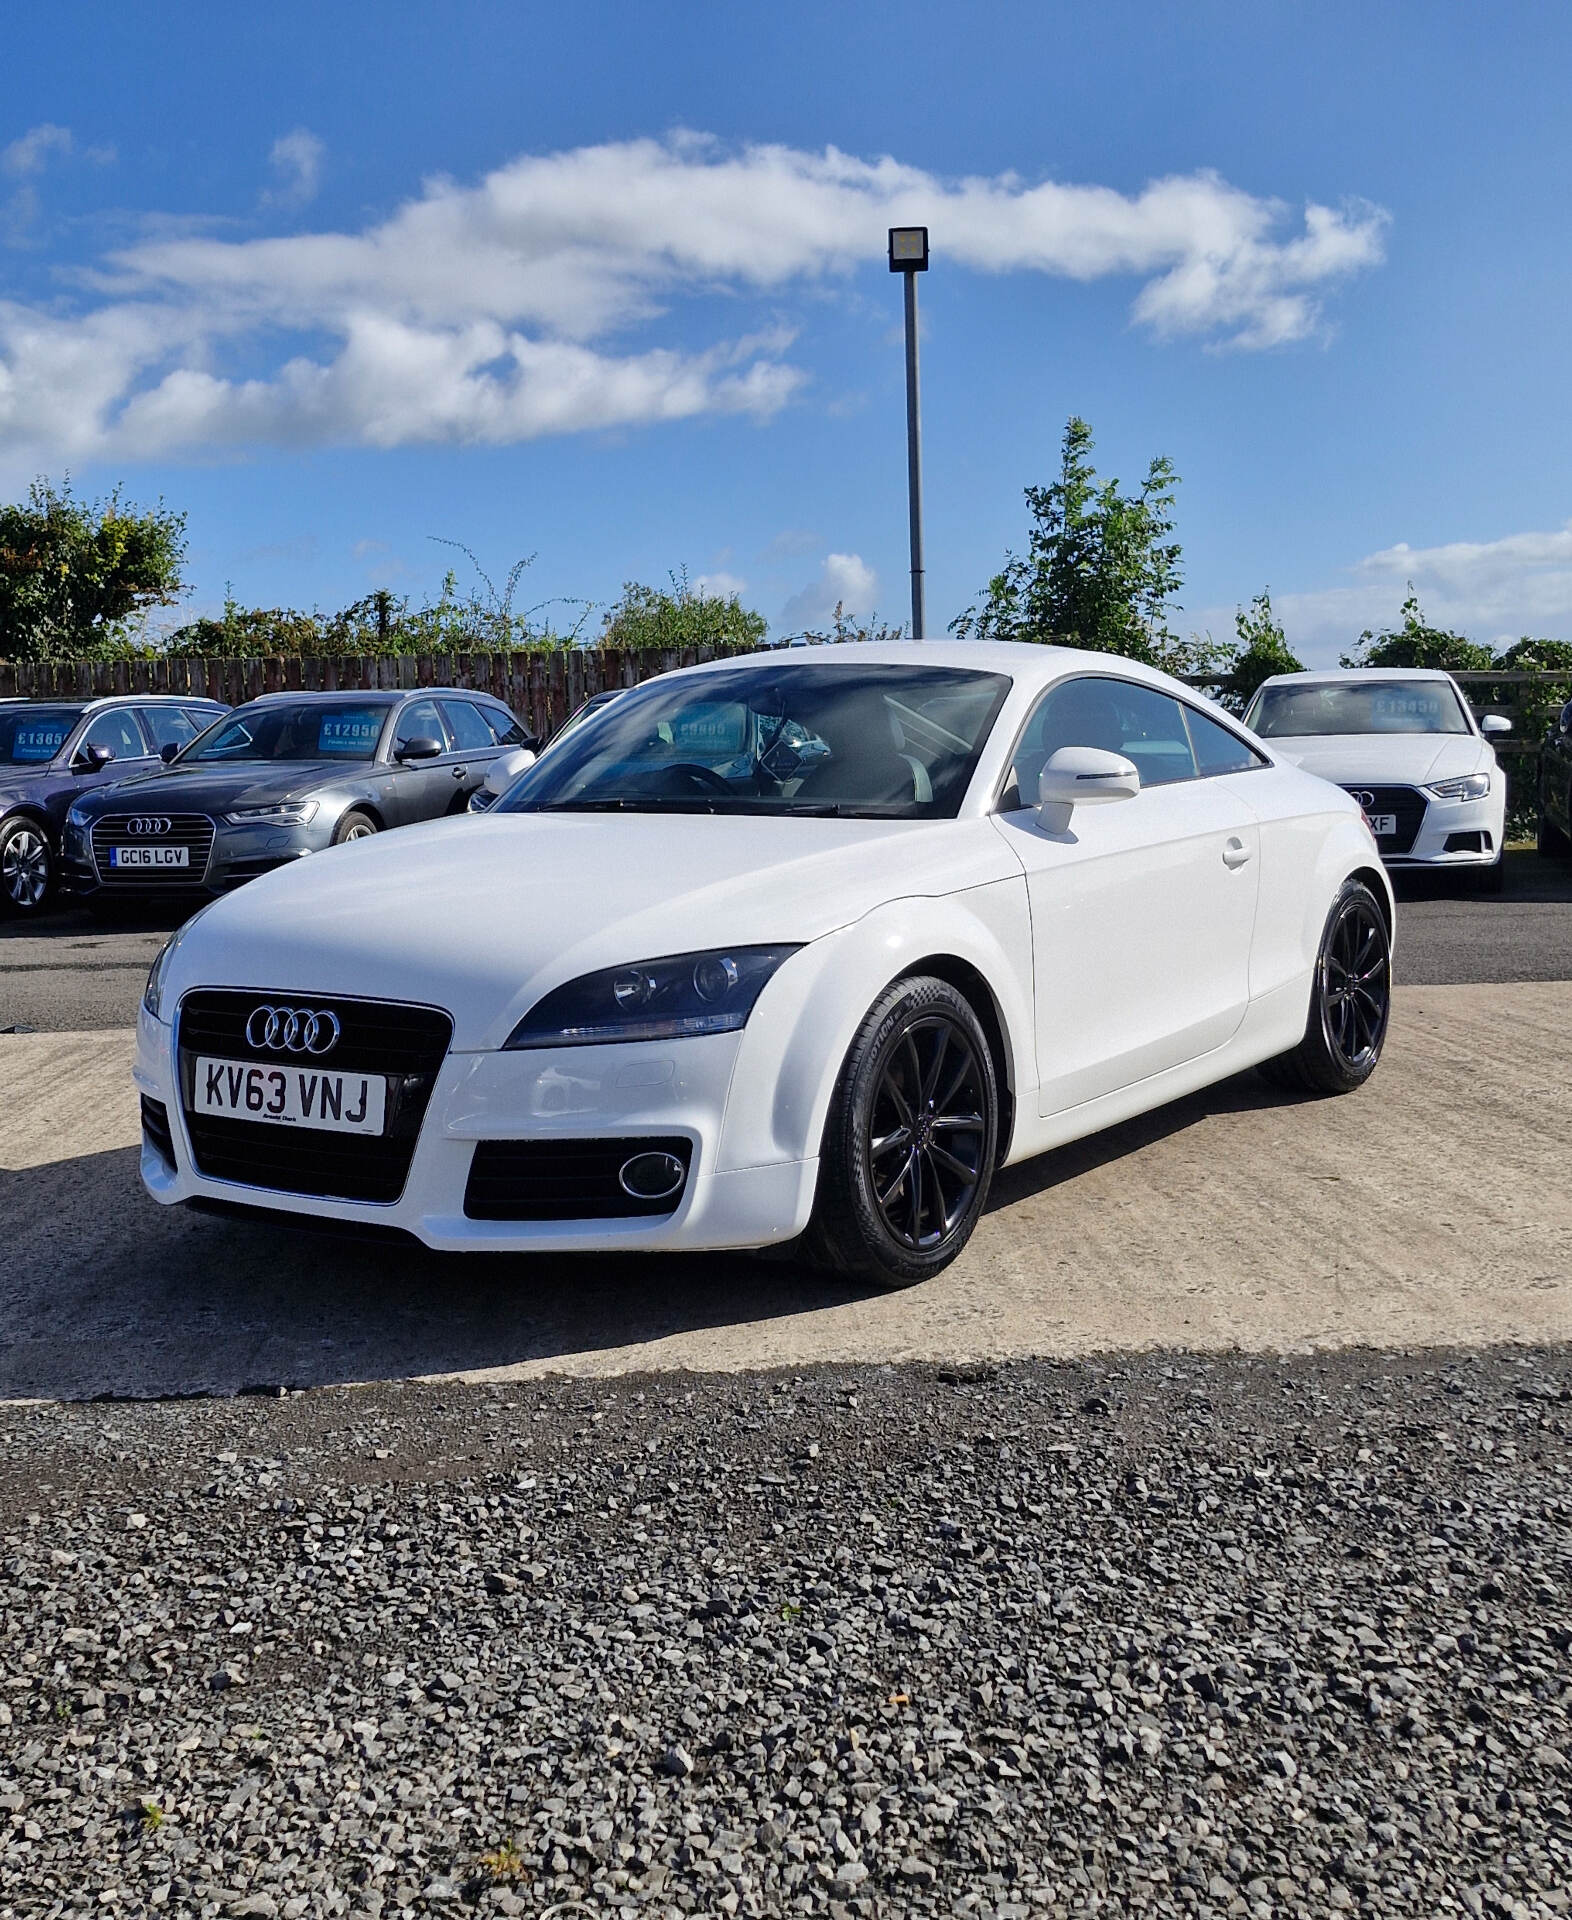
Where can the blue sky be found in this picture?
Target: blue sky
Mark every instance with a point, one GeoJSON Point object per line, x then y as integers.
{"type": "Point", "coordinates": [606, 284]}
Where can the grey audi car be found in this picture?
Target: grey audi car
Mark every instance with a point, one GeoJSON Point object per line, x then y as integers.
{"type": "Point", "coordinates": [279, 778]}
{"type": "Point", "coordinates": [54, 752]}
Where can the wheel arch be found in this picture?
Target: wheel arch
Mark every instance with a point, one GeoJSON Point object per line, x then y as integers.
{"type": "Point", "coordinates": [29, 810]}
{"type": "Point", "coordinates": [1375, 879]}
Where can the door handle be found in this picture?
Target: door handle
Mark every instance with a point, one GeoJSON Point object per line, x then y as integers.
{"type": "Point", "coordinates": [1235, 853]}
{"type": "Point", "coordinates": [459, 772]}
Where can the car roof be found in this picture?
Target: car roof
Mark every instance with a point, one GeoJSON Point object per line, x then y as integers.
{"type": "Point", "coordinates": [1351, 676]}
{"type": "Point", "coordinates": [373, 696]}
{"type": "Point", "coordinates": [1025, 662]}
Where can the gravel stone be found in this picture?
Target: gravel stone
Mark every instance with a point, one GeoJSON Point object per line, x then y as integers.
{"type": "Point", "coordinates": [1160, 1636]}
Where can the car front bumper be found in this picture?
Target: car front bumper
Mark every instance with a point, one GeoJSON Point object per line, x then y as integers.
{"type": "Point", "coordinates": [238, 853]}
{"type": "Point", "coordinates": [565, 1094]}
{"type": "Point", "coordinates": [1454, 833]}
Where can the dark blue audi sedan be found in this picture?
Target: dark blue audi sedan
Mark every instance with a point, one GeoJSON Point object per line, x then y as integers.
{"type": "Point", "coordinates": [54, 752]}
{"type": "Point", "coordinates": [281, 777]}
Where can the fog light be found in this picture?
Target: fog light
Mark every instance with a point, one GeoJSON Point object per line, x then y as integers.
{"type": "Point", "coordinates": [652, 1176]}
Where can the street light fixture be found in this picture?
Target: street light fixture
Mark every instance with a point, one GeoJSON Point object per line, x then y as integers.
{"type": "Point", "coordinates": [909, 256]}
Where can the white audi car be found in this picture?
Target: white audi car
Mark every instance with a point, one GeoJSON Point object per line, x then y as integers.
{"type": "Point", "coordinates": [1405, 744]}
{"type": "Point", "coordinates": [793, 948]}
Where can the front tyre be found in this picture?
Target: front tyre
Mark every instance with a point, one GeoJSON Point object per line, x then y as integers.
{"type": "Point", "coordinates": [27, 868]}
{"type": "Point", "coordinates": [910, 1141]}
{"type": "Point", "coordinates": [1350, 1000]}
{"type": "Point", "coordinates": [355, 825]}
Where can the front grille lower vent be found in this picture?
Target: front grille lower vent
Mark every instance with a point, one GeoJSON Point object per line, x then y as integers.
{"type": "Point", "coordinates": [566, 1179]}
{"type": "Point", "coordinates": [191, 830]}
{"type": "Point", "coordinates": [1406, 804]}
{"type": "Point", "coordinates": [155, 1130]}
{"type": "Point", "coordinates": [405, 1044]}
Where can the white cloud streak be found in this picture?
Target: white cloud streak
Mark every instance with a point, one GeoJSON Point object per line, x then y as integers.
{"type": "Point", "coordinates": [481, 312]}
{"type": "Point", "coordinates": [845, 580]}
{"type": "Point", "coordinates": [296, 160]}
{"type": "Point", "coordinates": [1494, 591]}
{"type": "Point", "coordinates": [27, 156]}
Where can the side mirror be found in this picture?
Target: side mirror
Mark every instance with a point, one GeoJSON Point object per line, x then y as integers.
{"type": "Point", "coordinates": [1082, 777]}
{"type": "Point", "coordinates": [170, 750]}
{"type": "Point", "coordinates": [1495, 723]}
{"type": "Point", "coordinates": [91, 759]}
{"type": "Point", "coordinates": [422, 747]}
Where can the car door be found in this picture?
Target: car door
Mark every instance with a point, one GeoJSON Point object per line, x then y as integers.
{"type": "Point", "coordinates": [1143, 910]}
{"type": "Point", "coordinates": [475, 746]}
{"type": "Point", "coordinates": [118, 729]}
{"type": "Point", "coordinates": [171, 726]}
{"type": "Point", "coordinates": [419, 789]}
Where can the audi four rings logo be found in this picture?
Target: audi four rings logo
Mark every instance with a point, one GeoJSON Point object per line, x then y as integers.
{"type": "Point", "coordinates": [1363, 795]}
{"type": "Point", "coordinates": [148, 823]}
{"type": "Point", "coordinates": [292, 1030]}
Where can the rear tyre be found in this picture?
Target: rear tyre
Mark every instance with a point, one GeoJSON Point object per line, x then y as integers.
{"type": "Point", "coordinates": [1350, 1001]}
{"type": "Point", "coordinates": [27, 866]}
{"type": "Point", "coordinates": [1553, 843]}
{"type": "Point", "coordinates": [910, 1140]}
{"type": "Point", "coordinates": [355, 825]}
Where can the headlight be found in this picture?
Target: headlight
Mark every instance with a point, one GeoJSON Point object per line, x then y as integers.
{"type": "Point", "coordinates": [77, 817]}
{"type": "Point", "coordinates": [1472, 786]}
{"type": "Point", "coordinates": [669, 999]}
{"type": "Point", "coordinates": [153, 992]}
{"type": "Point", "coordinates": [288, 813]}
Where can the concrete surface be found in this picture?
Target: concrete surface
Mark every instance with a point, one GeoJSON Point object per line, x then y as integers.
{"type": "Point", "coordinates": [68, 973]}
{"type": "Point", "coordinates": [1434, 1207]}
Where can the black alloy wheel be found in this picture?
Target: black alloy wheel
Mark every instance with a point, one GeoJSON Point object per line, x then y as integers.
{"type": "Point", "coordinates": [26, 865]}
{"type": "Point", "coordinates": [911, 1139]}
{"type": "Point", "coordinates": [1350, 1000]}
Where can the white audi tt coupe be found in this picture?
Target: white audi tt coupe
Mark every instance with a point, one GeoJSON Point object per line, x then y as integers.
{"type": "Point", "coordinates": [1403, 742]}
{"type": "Point", "coordinates": [788, 950]}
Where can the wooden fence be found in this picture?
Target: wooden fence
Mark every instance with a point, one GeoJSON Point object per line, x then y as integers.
{"type": "Point", "coordinates": [542, 688]}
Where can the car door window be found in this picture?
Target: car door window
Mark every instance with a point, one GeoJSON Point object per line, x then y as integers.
{"type": "Point", "coordinates": [169, 726]}
{"type": "Point", "coordinates": [468, 725]}
{"type": "Point", "coordinates": [420, 721]}
{"type": "Point", "coordinates": [1144, 726]}
{"type": "Point", "coordinates": [1216, 749]}
{"type": "Point", "coordinates": [509, 731]}
{"type": "Point", "coordinates": [116, 729]}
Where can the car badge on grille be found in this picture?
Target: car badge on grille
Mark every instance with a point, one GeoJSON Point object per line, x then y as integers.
{"type": "Point", "coordinates": [148, 823]}
{"type": "Point", "coordinates": [292, 1030]}
{"type": "Point", "coordinates": [1363, 795]}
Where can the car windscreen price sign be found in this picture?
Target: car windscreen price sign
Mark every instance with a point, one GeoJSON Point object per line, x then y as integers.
{"type": "Point", "coordinates": [350, 735]}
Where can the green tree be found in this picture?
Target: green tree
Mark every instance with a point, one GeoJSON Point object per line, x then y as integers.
{"type": "Point", "coordinates": [73, 573]}
{"type": "Point", "coordinates": [1101, 568]}
{"type": "Point", "coordinates": [680, 616]}
{"type": "Point", "coordinates": [1418, 644]}
{"type": "Point", "coordinates": [1263, 648]}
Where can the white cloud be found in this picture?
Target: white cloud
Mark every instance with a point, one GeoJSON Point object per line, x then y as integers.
{"type": "Point", "coordinates": [721, 584]}
{"type": "Point", "coordinates": [1494, 591]}
{"type": "Point", "coordinates": [845, 580]}
{"type": "Point", "coordinates": [474, 312]}
{"type": "Point", "coordinates": [28, 156]}
{"type": "Point", "coordinates": [296, 160]}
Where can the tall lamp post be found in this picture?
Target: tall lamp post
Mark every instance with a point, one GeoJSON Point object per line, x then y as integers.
{"type": "Point", "coordinates": [909, 256]}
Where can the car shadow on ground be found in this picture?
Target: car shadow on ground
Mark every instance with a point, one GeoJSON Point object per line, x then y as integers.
{"type": "Point", "coordinates": [1528, 876]}
{"type": "Point", "coordinates": [104, 1293]}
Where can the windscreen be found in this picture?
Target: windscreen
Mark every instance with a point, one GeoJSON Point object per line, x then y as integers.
{"type": "Point", "coordinates": [32, 736]}
{"type": "Point", "coordinates": [889, 742]}
{"type": "Point", "coordinates": [313, 730]}
{"type": "Point", "coordinates": [1349, 706]}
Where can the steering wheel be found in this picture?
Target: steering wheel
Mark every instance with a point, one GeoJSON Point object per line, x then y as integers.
{"type": "Point", "coordinates": [704, 779]}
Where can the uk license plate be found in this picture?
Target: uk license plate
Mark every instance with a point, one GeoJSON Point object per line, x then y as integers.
{"type": "Point", "coordinates": [122, 857]}
{"type": "Point", "coordinates": [291, 1095]}
{"type": "Point", "coordinates": [1383, 824]}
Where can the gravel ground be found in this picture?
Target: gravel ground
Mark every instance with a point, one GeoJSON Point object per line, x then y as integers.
{"type": "Point", "coordinates": [1162, 1635]}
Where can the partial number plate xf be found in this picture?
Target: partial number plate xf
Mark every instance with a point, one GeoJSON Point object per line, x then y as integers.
{"type": "Point", "coordinates": [121, 857]}
{"type": "Point", "coordinates": [291, 1096]}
